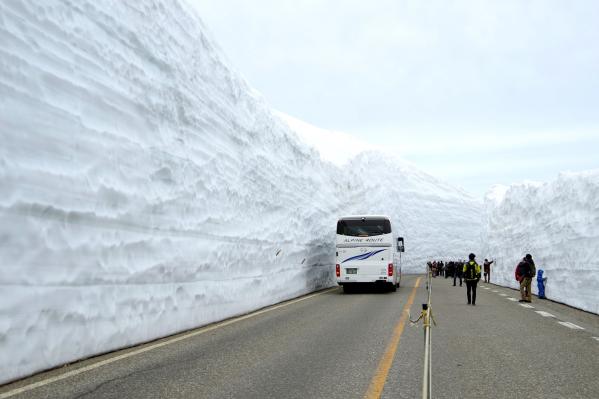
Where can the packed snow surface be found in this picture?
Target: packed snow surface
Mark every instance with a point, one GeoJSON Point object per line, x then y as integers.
{"type": "Point", "coordinates": [147, 189]}
{"type": "Point", "coordinates": [558, 224]}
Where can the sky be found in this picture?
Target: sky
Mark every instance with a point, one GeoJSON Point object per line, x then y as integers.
{"type": "Point", "coordinates": [475, 92]}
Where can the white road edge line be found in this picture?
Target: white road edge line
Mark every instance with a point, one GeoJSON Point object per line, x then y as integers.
{"type": "Point", "coordinates": [543, 313]}
{"type": "Point", "coordinates": [595, 338]}
{"type": "Point", "coordinates": [503, 294]}
{"type": "Point", "coordinates": [511, 299]}
{"type": "Point", "coordinates": [525, 305]}
{"type": "Point", "coordinates": [495, 291]}
{"type": "Point", "coordinates": [158, 345]}
{"type": "Point", "coordinates": [570, 325]}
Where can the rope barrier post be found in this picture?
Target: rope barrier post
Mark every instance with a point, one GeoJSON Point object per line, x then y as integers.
{"type": "Point", "coordinates": [430, 354]}
{"type": "Point", "coordinates": [425, 383]}
{"type": "Point", "coordinates": [426, 315]}
{"type": "Point", "coordinates": [427, 369]}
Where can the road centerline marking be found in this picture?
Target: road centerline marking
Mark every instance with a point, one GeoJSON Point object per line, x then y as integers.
{"type": "Point", "coordinates": [380, 376]}
{"type": "Point", "coordinates": [543, 313]}
{"type": "Point", "coordinates": [525, 305]}
{"type": "Point", "coordinates": [197, 331]}
{"type": "Point", "coordinates": [511, 299]}
{"type": "Point", "coordinates": [570, 325]}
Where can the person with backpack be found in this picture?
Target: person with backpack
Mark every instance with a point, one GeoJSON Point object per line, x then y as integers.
{"type": "Point", "coordinates": [471, 274]}
{"type": "Point", "coordinates": [525, 271]}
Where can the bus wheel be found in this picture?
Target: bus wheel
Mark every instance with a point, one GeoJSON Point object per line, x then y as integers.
{"type": "Point", "coordinates": [347, 288]}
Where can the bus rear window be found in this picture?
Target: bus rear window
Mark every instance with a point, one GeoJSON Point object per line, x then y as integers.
{"type": "Point", "coordinates": [363, 228]}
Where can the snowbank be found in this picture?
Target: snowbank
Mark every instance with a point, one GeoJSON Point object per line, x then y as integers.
{"type": "Point", "coordinates": [558, 224]}
{"type": "Point", "coordinates": [438, 221]}
{"type": "Point", "coordinates": [146, 189]}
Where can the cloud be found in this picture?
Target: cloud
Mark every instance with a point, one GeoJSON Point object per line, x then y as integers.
{"type": "Point", "coordinates": [487, 142]}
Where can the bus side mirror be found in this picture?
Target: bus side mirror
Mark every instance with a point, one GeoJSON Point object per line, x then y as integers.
{"type": "Point", "coordinates": [400, 246]}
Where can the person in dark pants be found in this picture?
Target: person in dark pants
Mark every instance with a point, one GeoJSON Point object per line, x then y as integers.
{"type": "Point", "coordinates": [526, 271]}
{"type": "Point", "coordinates": [472, 276]}
{"type": "Point", "coordinates": [457, 273]}
{"type": "Point", "coordinates": [487, 270]}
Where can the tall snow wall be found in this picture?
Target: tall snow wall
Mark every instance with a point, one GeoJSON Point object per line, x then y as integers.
{"type": "Point", "coordinates": [146, 189]}
{"type": "Point", "coordinates": [437, 221]}
{"type": "Point", "coordinates": [558, 224]}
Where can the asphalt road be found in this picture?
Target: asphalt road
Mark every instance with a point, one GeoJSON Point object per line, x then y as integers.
{"type": "Point", "coordinates": [335, 345]}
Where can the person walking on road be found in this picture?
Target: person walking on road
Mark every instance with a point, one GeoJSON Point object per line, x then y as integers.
{"type": "Point", "coordinates": [487, 270]}
{"type": "Point", "coordinates": [457, 272]}
{"type": "Point", "coordinates": [525, 272]}
{"type": "Point", "coordinates": [472, 276]}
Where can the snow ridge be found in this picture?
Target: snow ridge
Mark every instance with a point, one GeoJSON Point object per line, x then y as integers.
{"type": "Point", "coordinates": [147, 189]}
{"type": "Point", "coordinates": [557, 223]}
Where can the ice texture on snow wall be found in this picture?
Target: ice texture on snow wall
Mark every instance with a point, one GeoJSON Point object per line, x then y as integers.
{"type": "Point", "coordinates": [437, 221]}
{"type": "Point", "coordinates": [146, 189]}
{"type": "Point", "coordinates": [558, 224]}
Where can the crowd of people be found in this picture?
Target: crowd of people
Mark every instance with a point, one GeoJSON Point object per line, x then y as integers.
{"type": "Point", "coordinates": [470, 272]}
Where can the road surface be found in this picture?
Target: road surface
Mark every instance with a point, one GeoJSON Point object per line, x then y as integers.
{"type": "Point", "coordinates": [335, 345]}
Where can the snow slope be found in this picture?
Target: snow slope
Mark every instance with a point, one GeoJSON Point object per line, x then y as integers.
{"type": "Point", "coordinates": [558, 224]}
{"type": "Point", "coordinates": [147, 189]}
{"type": "Point", "coordinates": [438, 221]}
{"type": "Point", "coordinates": [334, 146]}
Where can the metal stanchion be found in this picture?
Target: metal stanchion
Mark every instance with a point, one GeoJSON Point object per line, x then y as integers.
{"type": "Point", "coordinates": [427, 317]}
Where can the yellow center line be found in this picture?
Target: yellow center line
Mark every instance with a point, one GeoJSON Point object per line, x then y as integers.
{"type": "Point", "coordinates": [378, 381]}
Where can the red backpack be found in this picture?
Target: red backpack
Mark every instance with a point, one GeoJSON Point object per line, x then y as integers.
{"type": "Point", "coordinates": [519, 272]}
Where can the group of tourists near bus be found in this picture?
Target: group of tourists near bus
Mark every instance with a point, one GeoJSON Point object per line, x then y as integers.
{"type": "Point", "coordinates": [470, 272]}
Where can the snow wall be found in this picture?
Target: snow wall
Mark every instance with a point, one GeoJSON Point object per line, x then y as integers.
{"type": "Point", "coordinates": [558, 224]}
{"type": "Point", "coordinates": [146, 189]}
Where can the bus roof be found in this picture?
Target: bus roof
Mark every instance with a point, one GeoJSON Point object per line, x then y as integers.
{"type": "Point", "coordinates": [369, 217]}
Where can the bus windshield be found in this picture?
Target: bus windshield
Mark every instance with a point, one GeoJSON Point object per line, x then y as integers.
{"type": "Point", "coordinates": [363, 227]}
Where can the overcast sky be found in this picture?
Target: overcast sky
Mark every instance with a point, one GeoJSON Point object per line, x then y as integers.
{"type": "Point", "coordinates": [475, 92]}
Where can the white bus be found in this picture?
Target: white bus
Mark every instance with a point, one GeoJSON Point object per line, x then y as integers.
{"type": "Point", "coordinates": [367, 252]}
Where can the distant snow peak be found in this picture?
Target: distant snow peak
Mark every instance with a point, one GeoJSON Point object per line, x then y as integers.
{"type": "Point", "coordinates": [496, 193]}
{"type": "Point", "coordinates": [334, 146]}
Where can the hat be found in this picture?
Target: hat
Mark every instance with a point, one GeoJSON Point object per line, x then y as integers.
{"type": "Point", "coordinates": [471, 256]}
{"type": "Point", "coordinates": [528, 257]}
